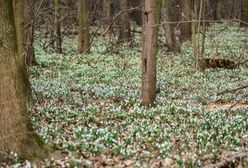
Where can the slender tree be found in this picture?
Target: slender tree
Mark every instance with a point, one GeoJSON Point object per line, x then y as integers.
{"type": "Point", "coordinates": [29, 32]}
{"type": "Point", "coordinates": [83, 18]}
{"type": "Point", "coordinates": [151, 17]}
{"type": "Point", "coordinates": [57, 26]}
{"type": "Point", "coordinates": [16, 132]}
{"type": "Point", "coordinates": [215, 6]}
{"type": "Point", "coordinates": [169, 15]}
{"type": "Point", "coordinates": [107, 10]}
{"type": "Point", "coordinates": [244, 13]}
{"type": "Point", "coordinates": [185, 27]}
{"type": "Point", "coordinates": [124, 31]}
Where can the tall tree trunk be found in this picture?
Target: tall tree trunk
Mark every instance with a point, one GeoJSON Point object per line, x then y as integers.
{"type": "Point", "coordinates": [18, 11]}
{"type": "Point", "coordinates": [151, 17]}
{"type": "Point", "coordinates": [168, 11]}
{"type": "Point", "coordinates": [57, 26]}
{"type": "Point", "coordinates": [124, 31]}
{"type": "Point", "coordinates": [29, 32]}
{"type": "Point", "coordinates": [107, 10]}
{"type": "Point", "coordinates": [244, 13]}
{"type": "Point", "coordinates": [222, 8]}
{"type": "Point", "coordinates": [84, 35]}
{"type": "Point", "coordinates": [215, 7]}
{"type": "Point", "coordinates": [16, 132]}
{"type": "Point", "coordinates": [185, 28]}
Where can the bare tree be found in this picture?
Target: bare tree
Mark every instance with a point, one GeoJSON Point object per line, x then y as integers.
{"type": "Point", "coordinates": [16, 132]}
{"type": "Point", "coordinates": [169, 14]}
{"type": "Point", "coordinates": [244, 13]}
{"type": "Point", "coordinates": [124, 31]}
{"type": "Point", "coordinates": [29, 32]}
{"type": "Point", "coordinates": [107, 14]}
{"type": "Point", "coordinates": [151, 17]}
{"type": "Point", "coordinates": [83, 18]}
{"type": "Point", "coordinates": [185, 27]}
{"type": "Point", "coordinates": [57, 26]}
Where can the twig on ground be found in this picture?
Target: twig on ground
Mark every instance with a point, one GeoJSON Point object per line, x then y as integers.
{"type": "Point", "coordinates": [236, 103]}
{"type": "Point", "coordinates": [232, 90]}
{"type": "Point", "coordinates": [229, 161]}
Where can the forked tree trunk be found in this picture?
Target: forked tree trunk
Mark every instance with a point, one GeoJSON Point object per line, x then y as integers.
{"type": "Point", "coordinates": [29, 32]}
{"type": "Point", "coordinates": [124, 31]}
{"type": "Point", "coordinates": [170, 16]}
{"type": "Point", "coordinates": [57, 26]}
{"type": "Point", "coordinates": [185, 27]}
{"type": "Point", "coordinates": [84, 35]}
{"type": "Point", "coordinates": [16, 132]}
{"type": "Point", "coordinates": [244, 13]}
{"type": "Point", "coordinates": [151, 17]}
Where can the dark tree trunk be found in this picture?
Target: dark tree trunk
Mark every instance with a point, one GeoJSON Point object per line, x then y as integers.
{"type": "Point", "coordinates": [57, 26]}
{"type": "Point", "coordinates": [214, 7]}
{"type": "Point", "coordinates": [170, 15]}
{"type": "Point", "coordinates": [124, 31]}
{"type": "Point", "coordinates": [29, 32]}
{"type": "Point", "coordinates": [84, 34]}
{"type": "Point", "coordinates": [185, 28]}
{"type": "Point", "coordinates": [244, 13]}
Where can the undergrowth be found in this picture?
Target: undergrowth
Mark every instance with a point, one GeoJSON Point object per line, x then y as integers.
{"type": "Point", "coordinates": [88, 106]}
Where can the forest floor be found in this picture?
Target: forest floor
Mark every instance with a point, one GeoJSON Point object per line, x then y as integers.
{"type": "Point", "coordinates": [88, 106]}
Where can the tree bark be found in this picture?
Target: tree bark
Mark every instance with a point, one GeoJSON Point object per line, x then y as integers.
{"type": "Point", "coordinates": [107, 13]}
{"type": "Point", "coordinates": [29, 32]}
{"type": "Point", "coordinates": [84, 35]}
{"type": "Point", "coordinates": [16, 132]}
{"type": "Point", "coordinates": [124, 31]}
{"type": "Point", "coordinates": [18, 11]}
{"type": "Point", "coordinates": [151, 17]}
{"type": "Point", "coordinates": [168, 11]}
{"type": "Point", "coordinates": [244, 13]}
{"type": "Point", "coordinates": [107, 10]}
{"type": "Point", "coordinates": [215, 7]}
{"type": "Point", "coordinates": [185, 28]}
{"type": "Point", "coordinates": [57, 26]}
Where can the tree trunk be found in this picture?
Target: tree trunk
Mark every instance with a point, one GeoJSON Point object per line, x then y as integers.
{"type": "Point", "coordinates": [185, 28]}
{"type": "Point", "coordinates": [215, 7]}
{"type": "Point", "coordinates": [29, 32]}
{"type": "Point", "coordinates": [107, 10]}
{"type": "Point", "coordinates": [57, 26]}
{"type": "Point", "coordinates": [19, 29]}
{"type": "Point", "coordinates": [16, 132]}
{"type": "Point", "coordinates": [107, 13]}
{"type": "Point", "coordinates": [222, 8]}
{"type": "Point", "coordinates": [168, 11]}
{"type": "Point", "coordinates": [124, 31]}
{"type": "Point", "coordinates": [84, 35]}
{"type": "Point", "coordinates": [244, 13]}
{"type": "Point", "coordinates": [151, 17]}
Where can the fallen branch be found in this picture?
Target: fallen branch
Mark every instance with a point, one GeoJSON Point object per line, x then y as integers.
{"type": "Point", "coordinates": [236, 103]}
{"type": "Point", "coordinates": [230, 161]}
{"type": "Point", "coordinates": [233, 90]}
